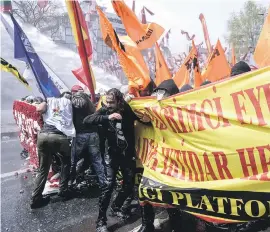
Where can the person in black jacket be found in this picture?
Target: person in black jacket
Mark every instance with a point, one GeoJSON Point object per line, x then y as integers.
{"type": "Point", "coordinates": [87, 137]}
{"type": "Point", "coordinates": [165, 89]}
{"type": "Point", "coordinates": [117, 119]}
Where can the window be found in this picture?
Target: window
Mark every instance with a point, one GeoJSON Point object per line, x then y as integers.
{"type": "Point", "coordinates": [68, 31]}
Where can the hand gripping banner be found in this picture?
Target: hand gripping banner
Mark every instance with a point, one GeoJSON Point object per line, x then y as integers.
{"type": "Point", "coordinates": [208, 150]}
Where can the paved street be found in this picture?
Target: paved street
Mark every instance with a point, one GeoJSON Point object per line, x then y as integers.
{"type": "Point", "coordinates": [75, 215]}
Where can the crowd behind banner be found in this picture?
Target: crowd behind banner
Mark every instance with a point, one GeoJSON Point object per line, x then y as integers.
{"type": "Point", "coordinates": [195, 147]}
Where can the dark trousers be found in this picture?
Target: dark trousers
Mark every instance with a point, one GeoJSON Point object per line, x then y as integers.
{"type": "Point", "coordinates": [115, 159]}
{"type": "Point", "coordinates": [91, 142]}
{"type": "Point", "coordinates": [49, 144]}
{"type": "Point", "coordinates": [148, 217]}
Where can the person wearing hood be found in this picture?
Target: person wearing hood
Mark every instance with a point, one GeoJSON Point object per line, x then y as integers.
{"type": "Point", "coordinates": [166, 88]}
{"type": "Point", "coordinates": [239, 68]}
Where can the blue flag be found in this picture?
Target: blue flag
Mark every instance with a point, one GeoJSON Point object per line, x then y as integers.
{"type": "Point", "coordinates": [24, 51]}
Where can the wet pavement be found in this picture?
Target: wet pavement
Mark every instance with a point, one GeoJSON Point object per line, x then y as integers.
{"type": "Point", "coordinates": [76, 215]}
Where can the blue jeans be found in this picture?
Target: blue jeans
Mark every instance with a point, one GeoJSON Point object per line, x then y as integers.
{"type": "Point", "coordinates": [91, 142]}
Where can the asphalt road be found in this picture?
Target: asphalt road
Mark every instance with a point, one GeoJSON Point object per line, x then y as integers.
{"type": "Point", "coordinates": [78, 214]}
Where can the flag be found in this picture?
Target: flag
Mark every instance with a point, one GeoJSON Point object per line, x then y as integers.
{"type": "Point", "coordinates": [133, 6]}
{"type": "Point", "coordinates": [7, 67]}
{"type": "Point", "coordinates": [144, 35]}
{"type": "Point", "coordinates": [217, 67]}
{"type": "Point", "coordinates": [206, 34]}
{"type": "Point", "coordinates": [196, 68]}
{"type": "Point", "coordinates": [233, 61]}
{"type": "Point", "coordinates": [6, 6]}
{"type": "Point", "coordinates": [262, 50]}
{"type": "Point", "coordinates": [32, 81]}
{"type": "Point", "coordinates": [149, 11]}
{"type": "Point", "coordinates": [187, 35]}
{"type": "Point", "coordinates": [134, 72]}
{"type": "Point", "coordinates": [143, 16]}
{"type": "Point", "coordinates": [162, 70]}
{"type": "Point", "coordinates": [132, 49]}
{"type": "Point", "coordinates": [182, 76]}
{"type": "Point", "coordinates": [24, 51]}
{"type": "Point", "coordinates": [42, 3]}
{"type": "Point", "coordinates": [83, 42]}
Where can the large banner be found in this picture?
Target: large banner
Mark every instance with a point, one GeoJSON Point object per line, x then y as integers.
{"type": "Point", "coordinates": [208, 150]}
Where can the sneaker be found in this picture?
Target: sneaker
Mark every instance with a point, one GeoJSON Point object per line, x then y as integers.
{"type": "Point", "coordinates": [102, 228]}
{"type": "Point", "coordinates": [40, 202]}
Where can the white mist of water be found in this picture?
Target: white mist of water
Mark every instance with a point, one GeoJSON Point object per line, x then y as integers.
{"type": "Point", "coordinates": [60, 59]}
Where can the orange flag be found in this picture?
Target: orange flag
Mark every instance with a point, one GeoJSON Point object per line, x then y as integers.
{"type": "Point", "coordinates": [233, 62]}
{"type": "Point", "coordinates": [262, 51]}
{"type": "Point", "coordinates": [144, 35]}
{"type": "Point", "coordinates": [218, 66]}
{"type": "Point", "coordinates": [189, 71]}
{"type": "Point", "coordinates": [196, 68]}
{"type": "Point", "coordinates": [136, 74]}
{"type": "Point", "coordinates": [162, 70]}
{"type": "Point", "coordinates": [133, 51]}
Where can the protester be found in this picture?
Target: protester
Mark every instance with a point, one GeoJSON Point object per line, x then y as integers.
{"type": "Point", "coordinates": [239, 68]}
{"type": "Point", "coordinates": [206, 83]}
{"type": "Point", "coordinates": [185, 88]}
{"type": "Point", "coordinates": [86, 136]}
{"type": "Point", "coordinates": [54, 138]}
{"type": "Point", "coordinates": [148, 90]}
{"type": "Point", "coordinates": [76, 88]}
{"type": "Point", "coordinates": [117, 119]}
{"type": "Point", "coordinates": [165, 89]}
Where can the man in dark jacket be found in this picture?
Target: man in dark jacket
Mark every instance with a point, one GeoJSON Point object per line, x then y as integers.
{"type": "Point", "coordinates": [117, 119]}
{"type": "Point", "coordinates": [87, 137]}
{"type": "Point", "coordinates": [165, 89]}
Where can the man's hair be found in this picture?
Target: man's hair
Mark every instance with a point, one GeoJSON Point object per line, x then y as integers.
{"type": "Point", "coordinates": [118, 96]}
{"type": "Point", "coordinates": [66, 94]}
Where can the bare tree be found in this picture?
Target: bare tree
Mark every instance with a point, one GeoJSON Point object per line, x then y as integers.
{"type": "Point", "coordinates": [244, 27]}
{"type": "Point", "coordinates": [44, 19]}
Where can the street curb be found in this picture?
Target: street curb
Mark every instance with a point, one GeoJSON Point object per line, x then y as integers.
{"type": "Point", "coordinates": [10, 134]}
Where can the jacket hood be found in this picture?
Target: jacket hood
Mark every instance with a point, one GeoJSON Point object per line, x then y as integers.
{"type": "Point", "coordinates": [169, 86]}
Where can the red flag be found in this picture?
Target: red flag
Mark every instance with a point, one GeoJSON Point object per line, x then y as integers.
{"type": "Point", "coordinates": [82, 39]}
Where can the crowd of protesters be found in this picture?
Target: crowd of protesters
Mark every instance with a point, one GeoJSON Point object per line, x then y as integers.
{"type": "Point", "coordinates": [73, 126]}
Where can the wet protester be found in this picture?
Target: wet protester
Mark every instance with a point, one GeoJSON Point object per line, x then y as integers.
{"type": "Point", "coordinates": [117, 119]}
{"type": "Point", "coordinates": [165, 89]}
{"type": "Point", "coordinates": [54, 138]}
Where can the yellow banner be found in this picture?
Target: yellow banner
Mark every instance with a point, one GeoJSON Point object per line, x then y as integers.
{"type": "Point", "coordinates": [208, 151]}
